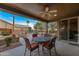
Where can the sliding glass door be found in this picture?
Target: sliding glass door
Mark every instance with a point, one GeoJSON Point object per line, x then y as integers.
{"type": "Point", "coordinates": [63, 30]}
{"type": "Point", "coordinates": [73, 30]}
{"type": "Point", "coordinates": [69, 30]}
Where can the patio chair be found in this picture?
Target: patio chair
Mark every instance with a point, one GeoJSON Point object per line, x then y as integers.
{"type": "Point", "coordinates": [34, 35]}
{"type": "Point", "coordinates": [30, 47]}
{"type": "Point", "coordinates": [49, 45]}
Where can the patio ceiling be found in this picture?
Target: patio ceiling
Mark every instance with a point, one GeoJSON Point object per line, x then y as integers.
{"type": "Point", "coordinates": [64, 10]}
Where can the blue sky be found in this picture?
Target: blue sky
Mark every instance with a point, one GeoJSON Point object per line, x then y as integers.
{"type": "Point", "coordinates": [18, 19]}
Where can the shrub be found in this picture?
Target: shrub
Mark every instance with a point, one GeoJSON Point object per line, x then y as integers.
{"type": "Point", "coordinates": [8, 41]}
{"type": "Point", "coordinates": [5, 33]}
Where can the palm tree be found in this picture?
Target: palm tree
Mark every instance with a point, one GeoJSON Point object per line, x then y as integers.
{"type": "Point", "coordinates": [27, 22]}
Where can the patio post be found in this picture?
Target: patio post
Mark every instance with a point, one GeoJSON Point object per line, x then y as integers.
{"type": "Point", "coordinates": [13, 24]}
{"type": "Point", "coordinates": [46, 27]}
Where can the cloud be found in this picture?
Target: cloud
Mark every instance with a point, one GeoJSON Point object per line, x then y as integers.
{"type": "Point", "coordinates": [30, 25]}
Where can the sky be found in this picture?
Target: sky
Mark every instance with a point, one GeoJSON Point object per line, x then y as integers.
{"type": "Point", "coordinates": [18, 19]}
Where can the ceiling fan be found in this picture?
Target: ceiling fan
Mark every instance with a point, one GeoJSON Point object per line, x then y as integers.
{"type": "Point", "coordinates": [48, 13]}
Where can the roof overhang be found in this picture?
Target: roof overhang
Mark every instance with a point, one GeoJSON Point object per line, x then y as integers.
{"type": "Point", "coordinates": [18, 11]}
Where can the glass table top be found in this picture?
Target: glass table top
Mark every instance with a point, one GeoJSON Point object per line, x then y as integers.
{"type": "Point", "coordinates": [41, 39]}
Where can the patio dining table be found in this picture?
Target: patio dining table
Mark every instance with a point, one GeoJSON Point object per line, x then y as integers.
{"type": "Point", "coordinates": [41, 39]}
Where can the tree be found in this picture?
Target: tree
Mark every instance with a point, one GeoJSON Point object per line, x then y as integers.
{"type": "Point", "coordinates": [29, 29]}
{"type": "Point", "coordinates": [53, 27]}
{"type": "Point", "coordinates": [27, 22]}
{"type": "Point", "coordinates": [40, 27]}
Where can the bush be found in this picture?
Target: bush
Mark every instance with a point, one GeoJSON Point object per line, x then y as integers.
{"type": "Point", "coordinates": [5, 33]}
{"type": "Point", "coordinates": [8, 41]}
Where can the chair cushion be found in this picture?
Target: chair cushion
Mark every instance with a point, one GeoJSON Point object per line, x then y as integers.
{"type": "Point", "coordinates": [47, 45]}
{"type": "Point", "coordinates": [34, 35]}
{"type": "Point", "coordinates": [34, 46]}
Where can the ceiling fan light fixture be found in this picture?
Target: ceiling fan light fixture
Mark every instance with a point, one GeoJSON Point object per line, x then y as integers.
{"type": "Point", "coordinates": [55, 14]}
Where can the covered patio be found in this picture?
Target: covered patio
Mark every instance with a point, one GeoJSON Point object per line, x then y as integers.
{"type": "Point", "coordinates": [66, 15]}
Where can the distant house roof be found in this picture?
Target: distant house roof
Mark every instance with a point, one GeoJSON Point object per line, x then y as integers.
{"type": "Point", "coordinates": [5, 29]}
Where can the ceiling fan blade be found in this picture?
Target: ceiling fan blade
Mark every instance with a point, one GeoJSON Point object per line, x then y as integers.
{"type": "Point", "coordinates": [43, 15]}
{"type": "Point", "coordinates": [46, 9]}
{"type": "Point", "coordinates": [53, 11]}
{"type": "Point", "coordinates": [41, 12]}
{"type": "Point", "coordinates": [49, 14]}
